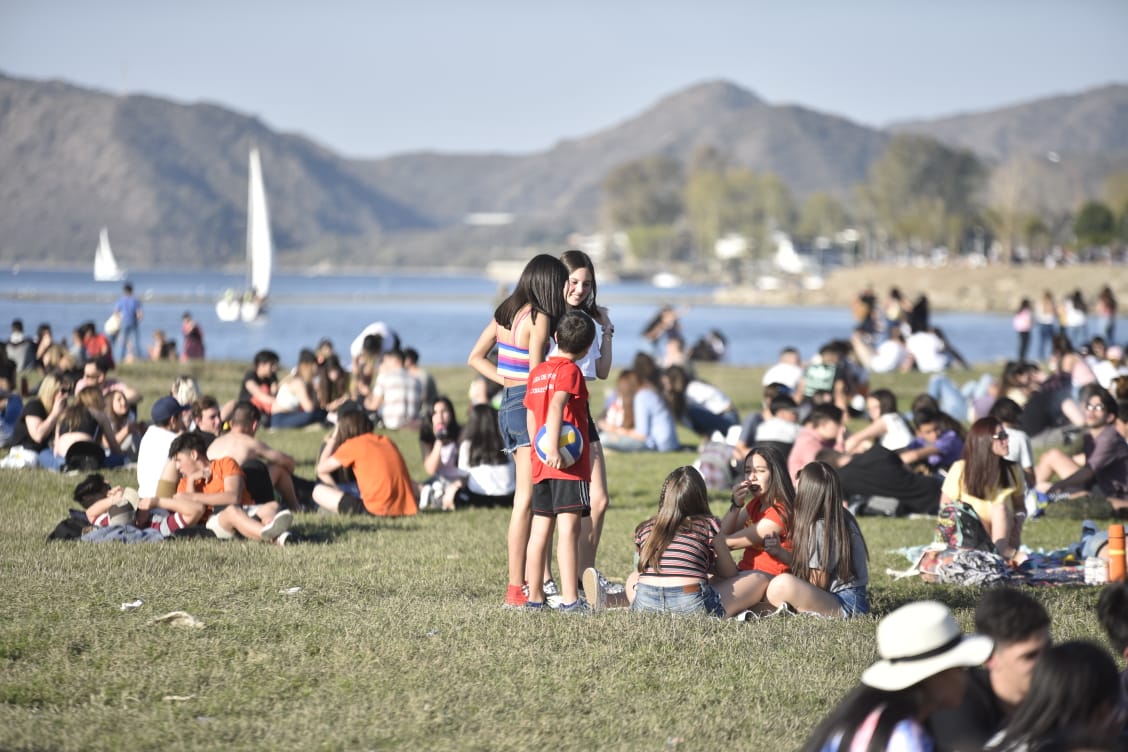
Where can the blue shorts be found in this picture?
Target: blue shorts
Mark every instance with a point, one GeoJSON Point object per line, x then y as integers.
{"type": "Point", "coordinates": [678, 599]}
{"type": "Point", "coordinates": [511, 418]}
{"type": "Point", "coordinates": [854, 601]}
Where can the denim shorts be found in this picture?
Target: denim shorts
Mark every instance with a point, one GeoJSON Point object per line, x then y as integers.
{"type": "Point", "coordinates": [511, 418]}
{"type": "Point", "coordinates": [675, 600]}
{"type": "Point", "coordinates": [854, 601]}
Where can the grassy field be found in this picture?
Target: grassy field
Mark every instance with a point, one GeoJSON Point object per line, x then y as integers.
{"type": "Point", "coordinates": [396, 638]}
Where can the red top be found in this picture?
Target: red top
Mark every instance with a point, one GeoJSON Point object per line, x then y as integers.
{"type": "Point", "coordinates": [758, 558]}
{"type": "Point", "coordinates": [558, 374]}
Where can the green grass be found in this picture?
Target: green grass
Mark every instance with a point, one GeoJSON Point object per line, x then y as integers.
{"type": "Point", "coordinates": [396, 639]}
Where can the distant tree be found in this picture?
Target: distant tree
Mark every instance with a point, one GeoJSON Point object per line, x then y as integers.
{"type": "Point", "coordinates": [1116, 190]}
{"type": "Point", "coordinates": [920, 192]}
{"type": "Point", "coordinates": [644, 192]}
{"type": "Point", "coordinates": [737, 201]}
{"type": "Point", "coordinates": [822, 215]}
{"type": "Point", "coordinates": [1095, 225]}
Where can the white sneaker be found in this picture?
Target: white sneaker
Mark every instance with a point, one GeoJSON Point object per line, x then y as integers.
{"type": "Point", "coordinates": [277, 526]}
{"type": "Point", "coordinates": [594, 591]}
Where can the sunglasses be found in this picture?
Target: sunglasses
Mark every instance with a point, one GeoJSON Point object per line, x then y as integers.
{"type": "Point", "coordinates": [1001, 436]}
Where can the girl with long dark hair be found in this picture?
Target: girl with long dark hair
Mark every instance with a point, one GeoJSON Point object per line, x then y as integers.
{"type": "Point", "coordinates": [990, 484]}
{"type": "Point", "coordinates": [829, 572]}
{"type": "Point", "coordinates": [521, 328]}
{"type": "Point", "coordinates": [684, 566]}
{"type": "Point", "coordinates": [763, 505]}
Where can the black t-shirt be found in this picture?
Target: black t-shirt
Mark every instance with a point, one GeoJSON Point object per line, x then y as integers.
{"type": "Point", "coordinates": [968, 727]}
{"type": "Point", "coordinates": [20, 437]}
{"type": "Point", "coordinates": [880, 472]}
{"type": "Point", "coordinates": [265, 383]}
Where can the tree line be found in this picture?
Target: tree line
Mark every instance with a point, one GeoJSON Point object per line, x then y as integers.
{"type": "Point", "coordinates": [919, 194]}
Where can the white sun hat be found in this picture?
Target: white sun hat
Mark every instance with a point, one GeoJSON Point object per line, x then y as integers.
{"type": "Point", "coordinates": [920, 640]}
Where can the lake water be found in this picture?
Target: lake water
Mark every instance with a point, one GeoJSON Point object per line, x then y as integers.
{"type": "Point", "coordinates": [441, 315]}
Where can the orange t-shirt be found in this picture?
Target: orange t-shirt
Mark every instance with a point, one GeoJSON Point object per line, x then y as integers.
{"type": "Point", "coordinates": [221, 469]}
{"type": "Point", "coordinates": [381, 475]}
{"type": "Point", "coordinates": [758, 558]}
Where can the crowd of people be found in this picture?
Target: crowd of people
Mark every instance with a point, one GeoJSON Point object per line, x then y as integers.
{"type": "Point", "coordinates": [532, 441]}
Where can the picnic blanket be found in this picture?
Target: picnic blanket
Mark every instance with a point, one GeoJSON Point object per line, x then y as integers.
{"type": "Point", "coordinates": [979, 568]}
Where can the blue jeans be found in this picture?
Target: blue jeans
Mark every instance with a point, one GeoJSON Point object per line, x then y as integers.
{"type": "Point", "coordinates": [124, 334]}
{"type": "Point", "coordinates": [621, 443]}
{"type": "Point", "coordinates": [675, 600]}
{"type": "Point", "coordinates": [296, 419]}
{"type": "Point", "coordinates": [854, 601]}
{"type": "Point", "coordinates": [511, 418]}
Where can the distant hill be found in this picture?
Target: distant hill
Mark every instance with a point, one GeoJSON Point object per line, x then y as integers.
{"type": "Point", "coordinates": [169, 179]}
{"type": "Point", "coordinates": [1092, 122]}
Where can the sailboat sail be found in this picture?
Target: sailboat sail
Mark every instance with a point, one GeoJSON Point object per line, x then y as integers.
{"type": "Point", "coordinates": [260, 248]}
{"type": "Point", "coordinates": [106, 267]}
{"type": "Point", "coordinates": [260, 253]}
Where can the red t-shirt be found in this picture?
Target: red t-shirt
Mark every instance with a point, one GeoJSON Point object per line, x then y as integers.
{"type": "Point", "coordinates": [381, 475]}
{"type": "Point", "coordinates": [758, 558]}
{"type": "Point", "coordinates": [558, 374]}
{"type": "Point", "coordinates": [221, 470]}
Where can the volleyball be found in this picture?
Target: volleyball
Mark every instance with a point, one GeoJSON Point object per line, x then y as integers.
{"type": "Point", "coordinates": [571, 443]}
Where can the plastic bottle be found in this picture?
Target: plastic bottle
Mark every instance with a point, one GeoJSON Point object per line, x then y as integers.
{"type": "Point", "coordinates": [1116, 553]}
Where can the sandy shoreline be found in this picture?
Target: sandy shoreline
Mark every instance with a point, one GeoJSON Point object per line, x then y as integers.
{"type": "Point", "coordinates": [996, 289]}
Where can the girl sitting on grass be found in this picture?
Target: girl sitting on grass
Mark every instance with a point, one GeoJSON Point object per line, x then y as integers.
{"type": "Point", "coordinates": [763, 504]}
{"type": "Point", "coordinates": [829, 572]}
{"type": "Point", "coordinates": [992, 485]}
{"type": "Point", "coordinates": [490, 473]}
{"type": "Point", "coordinates": [684, 566]}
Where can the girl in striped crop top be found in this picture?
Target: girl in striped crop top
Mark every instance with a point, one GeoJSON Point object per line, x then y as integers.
{"type": "Point", "coordinates": [684, 565]}
{"type": "Point", "coordinates": [521, 329]}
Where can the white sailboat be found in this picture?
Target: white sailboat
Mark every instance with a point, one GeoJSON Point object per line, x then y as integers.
{"type": "Point", "coordinates": [260, 254]}
{"type": "Point", "coordinates": [106, 267]}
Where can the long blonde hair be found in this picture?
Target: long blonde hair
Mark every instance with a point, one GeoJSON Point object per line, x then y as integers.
{"type": "Point", "coordinates": [683, 504]}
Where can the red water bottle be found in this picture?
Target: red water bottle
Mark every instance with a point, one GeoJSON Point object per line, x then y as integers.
{"type": "Point", "coordinates": [1116, 553]}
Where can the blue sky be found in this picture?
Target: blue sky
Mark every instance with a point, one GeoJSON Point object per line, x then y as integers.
{"type": "Point", "coordinates": [377, 78]}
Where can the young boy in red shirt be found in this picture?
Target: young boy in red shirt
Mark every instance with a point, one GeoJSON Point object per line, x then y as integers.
{"type": "Point", "coordinates": [558, 393]}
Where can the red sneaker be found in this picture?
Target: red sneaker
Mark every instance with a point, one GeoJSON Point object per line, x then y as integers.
{"type": "Point", "coordinates": [515, 597]}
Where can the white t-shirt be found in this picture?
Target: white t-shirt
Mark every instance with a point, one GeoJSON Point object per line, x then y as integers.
{"type": "Point", "coordinates": [376, 327]}
{"type": "Point", "coordinates": [784, 373]}
{"type": "Point", "coordinates": [587, 363]}
{"type": "Point", "coordinates": [928, 352]}
{"type": "Point", "coordinates": [487, 480]}
{"type": "Point", "coordinates": [897, 434]}
{"type": "Point", "coordinates": [888, 357]}
{"type": "Point", "coordinates": [707, 396]}
{"type": "Point", "coordinates": [152, 456]}
{"type": "Point", "coordinates": [1019, 451]}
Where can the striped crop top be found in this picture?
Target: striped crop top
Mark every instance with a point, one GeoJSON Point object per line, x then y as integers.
{"type": "Point", "coordinates": [512, 359]}
{"type": "Point", "coordinates": [690, 553]}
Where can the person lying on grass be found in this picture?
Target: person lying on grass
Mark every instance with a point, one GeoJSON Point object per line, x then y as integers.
{"type": "Point", "coordinates": [214, 492]}
{"type": "Point", "coordinates": [684, 565]}
{"type": "Point", "coordinates": [383, 482]}
{"type": "Point", "coordinates": [829, 572]}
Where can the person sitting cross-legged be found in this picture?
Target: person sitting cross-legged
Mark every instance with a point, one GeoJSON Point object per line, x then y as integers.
{"type": "Point", "coordinates": [1103, 462]}
{"type": "Point", "coordinates": [214, 492]}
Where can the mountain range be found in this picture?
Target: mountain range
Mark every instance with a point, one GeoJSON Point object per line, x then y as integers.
{"type": "Point", "coordinates": [169, 179]}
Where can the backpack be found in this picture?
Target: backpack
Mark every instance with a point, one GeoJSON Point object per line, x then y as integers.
{"type": "Point", "coordinates": [713, 464]}
{"type": "Point", "coordinates": [959, 527]}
